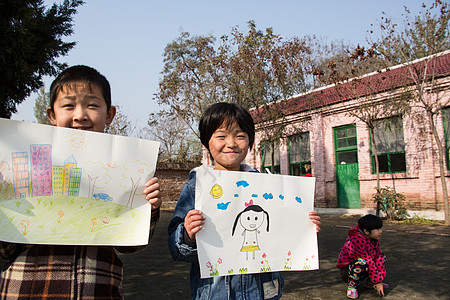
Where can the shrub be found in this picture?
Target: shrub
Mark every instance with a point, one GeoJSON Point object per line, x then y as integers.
{"type": "Point", "coordinates": [391, 203]}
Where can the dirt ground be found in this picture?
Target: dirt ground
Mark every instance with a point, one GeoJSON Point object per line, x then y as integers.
{"type": "Point", "coordinates": [418, 265]}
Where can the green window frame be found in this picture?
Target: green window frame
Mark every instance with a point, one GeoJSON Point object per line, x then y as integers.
{"type": "Point", "coordinates": [446, 121]}
{"type": "Point", "coordinates": [269, 149]}
{"type": "Point", "coordinates": [345, 145]}
{"type": "Point", "coordinates": [389, 140]}
{"type": "Point", "coordinates": [299, 154]}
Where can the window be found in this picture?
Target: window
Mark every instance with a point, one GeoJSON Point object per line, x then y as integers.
{"type": "Point", "coordinates": [388, 138]}
{"type": "Point", "coordinates": [446, 114]}
{"type": "Point", "coordinates": [299, 154]}
{"type": "Point", "coordinates": [271, 157]}
{"type": "Point", "coordinates": [345, 145]}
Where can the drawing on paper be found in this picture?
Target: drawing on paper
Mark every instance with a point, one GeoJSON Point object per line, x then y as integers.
{"type": "Point", "coordinates": [251, 218]}
{"type": "Point", "coordinates": [60, 186]}
{"type": "Point", "coordinates": [262, 217]}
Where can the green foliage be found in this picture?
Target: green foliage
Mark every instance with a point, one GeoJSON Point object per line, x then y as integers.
{"type": "Point", "coordinates": [40, 106]}
{"type": "Point", "coordinates": [31, 41]}
{"type": "Point", "coordinates": [253, 68]}
{"type": "Point", "coordinates": [393, 204]}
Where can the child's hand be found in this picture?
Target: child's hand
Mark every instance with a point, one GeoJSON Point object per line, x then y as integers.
{"type": "Point", "coordinates": [193, 222]}
{"type": "Point", "coordinates": [315, 218]}
{"type": "Point", "coordinates": [379, 288]}
{"type": "Point", "coordinates": [152, 193]}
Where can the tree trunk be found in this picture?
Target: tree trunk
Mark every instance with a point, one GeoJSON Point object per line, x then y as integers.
{"type": "Point", "coordinates": [441, 166]}
{"type": "Point", "coordinates": [377, 167]}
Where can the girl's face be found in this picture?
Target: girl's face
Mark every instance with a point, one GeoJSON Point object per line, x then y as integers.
{"type": "Point", "coordinates": [228, 147]}
{"type": "Point", "coordinates": [251, 220]}
{"type": "Point", "coordinates": [375, 234]}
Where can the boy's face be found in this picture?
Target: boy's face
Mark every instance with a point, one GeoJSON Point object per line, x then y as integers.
{"type": "Point", "coordinates": [228, 147]}
{"type": "Point", "coordinates": [81, 107]}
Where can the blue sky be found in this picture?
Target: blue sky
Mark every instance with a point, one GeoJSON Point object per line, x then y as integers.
{"type": "Point", "coordinates": [125, 40]}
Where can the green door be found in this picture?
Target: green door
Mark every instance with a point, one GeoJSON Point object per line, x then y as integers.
{"type": "Point", "coordinates": [346, 153]}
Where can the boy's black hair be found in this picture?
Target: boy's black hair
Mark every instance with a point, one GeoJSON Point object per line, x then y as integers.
{"type": "Point", "coordinates": [76, 74]}
{"type": "Point", "coordinates": [224, 113]}
{"type": "Point", "coordinates": [370, 222]}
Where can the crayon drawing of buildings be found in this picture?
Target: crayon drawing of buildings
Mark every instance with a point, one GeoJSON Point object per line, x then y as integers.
{"type": "Point", "coordinates": [45, 179]}
{"type": "Point", "coordinates": [41, 165]}
{"type": "Point", "coordinates": [57, 180]}
{"type": "Point", "coordinates": [20, 174]}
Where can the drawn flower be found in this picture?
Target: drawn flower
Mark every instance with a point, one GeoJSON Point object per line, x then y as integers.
{"type": "Point", "coordinates": [219, 260]}
{"type": "Point", "coordinates": [264, 255]}
{"type": "Point", "coordinates": [289, 253]}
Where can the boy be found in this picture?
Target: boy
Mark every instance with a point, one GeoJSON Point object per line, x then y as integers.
{"type": "Point", "coordinates": [361, 256]}
{"type": "Point", "coordinates": [227, 131]}
{"type": "Point", "coordinates": [80, 98]}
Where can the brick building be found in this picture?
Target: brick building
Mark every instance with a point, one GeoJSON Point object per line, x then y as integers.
{"type": "Point", "coordinates": [323, 139]}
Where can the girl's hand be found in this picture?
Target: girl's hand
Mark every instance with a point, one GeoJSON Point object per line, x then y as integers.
{"type": "Point", "coordinates": [152, 193]}
{"type": "Point", "coordinates": [193, 222]}
{"type": "Point", "coordinates": [315, 218]}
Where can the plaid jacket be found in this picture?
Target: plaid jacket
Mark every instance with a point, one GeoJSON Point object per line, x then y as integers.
{"type": "Point", "coordinates": [64, 272]}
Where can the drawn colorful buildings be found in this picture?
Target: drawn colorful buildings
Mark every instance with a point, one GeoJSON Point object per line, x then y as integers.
{"type": "Point", "coordinates": [44, 179]}
{"type": "Point", "coordinates": [20, 174]}
{"type": "Point", "coordinates": [41, 165]}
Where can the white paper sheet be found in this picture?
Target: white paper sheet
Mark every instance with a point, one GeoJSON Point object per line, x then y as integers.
{"type": "Point", "coordinates": [255, 223]}
{"type": "Point", "coordinates": [67, 186]}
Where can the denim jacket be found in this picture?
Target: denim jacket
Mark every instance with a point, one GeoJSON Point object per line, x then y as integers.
{"type": "Point", "coordinates": [242, 286]}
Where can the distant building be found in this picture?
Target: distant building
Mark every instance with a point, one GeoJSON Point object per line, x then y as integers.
{"type": "Point", "coordinates": [20, 174]}
{"type": "Point", "coordinates": [322, 139]}
{"type": "Point", "coordinates": [41, 169]}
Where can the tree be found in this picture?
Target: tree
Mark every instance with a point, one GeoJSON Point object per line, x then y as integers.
{"type": "Point", "coordinates": [254, 69]}
{"type": "Point", "coordinates": [423, 37]}
{"type": "Point", "coordinates": [31, 41]}
{"type": "Point", "coordinates": [348, 72]}
{"type": "Point", "coordinates": [177, 143]}
{"type": "Point", "coordinates": [120, 124]}
{"type": "Point", "coordinates": [40, 105]}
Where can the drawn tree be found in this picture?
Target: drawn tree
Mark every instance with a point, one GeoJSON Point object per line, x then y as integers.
{"type": "Point", "coordinates": [134, 174]}
{"type": "Point", "coordinates": [98, 176]}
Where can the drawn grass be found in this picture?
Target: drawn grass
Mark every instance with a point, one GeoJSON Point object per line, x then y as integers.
{"type": "Point", "coordinates": [52, 220]}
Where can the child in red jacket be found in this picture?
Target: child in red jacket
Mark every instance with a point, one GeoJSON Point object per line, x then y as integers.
{"type": "Point", "coordinates": [361, 256]}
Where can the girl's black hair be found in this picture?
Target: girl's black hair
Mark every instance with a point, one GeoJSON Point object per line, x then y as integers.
{"type": "Point", "coordinates": [256, 208]}
{"type": "Point", "coordinates": [370, 222]}
{"type": "Point", "coordinates": [224, 113]}
{"type": "Point", "coordinates": [76, 74]}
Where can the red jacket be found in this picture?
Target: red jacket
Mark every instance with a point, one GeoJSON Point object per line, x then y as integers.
{"type": "Point", "coordinates": [357, 246]}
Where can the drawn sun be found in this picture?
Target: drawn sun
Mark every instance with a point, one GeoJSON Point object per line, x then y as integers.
{"type": "Point", "coordinates": [77, 140]}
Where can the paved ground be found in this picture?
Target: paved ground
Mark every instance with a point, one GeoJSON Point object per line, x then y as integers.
{"type": "Point", "coordinates": [418, 265]}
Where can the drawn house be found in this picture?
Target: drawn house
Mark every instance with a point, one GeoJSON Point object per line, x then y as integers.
{"type": "Point", "coordinates": [322, 139]}
{"type": "Point", "coordinates": [41, 169]}
{"type": "Point", "coordinates": [20, 174]}
{"type": "Point", "coordinates": [57, 180]}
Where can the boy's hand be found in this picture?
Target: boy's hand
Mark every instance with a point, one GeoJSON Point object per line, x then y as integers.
{"type": "Point", "coordinates": [193, 222]}
{"type": "Point", "coordinates": [315, 218]}
{"type": "Point", "coordinates": [152, 193]}
{"type": "Point", "coordinates": [379, 288]}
